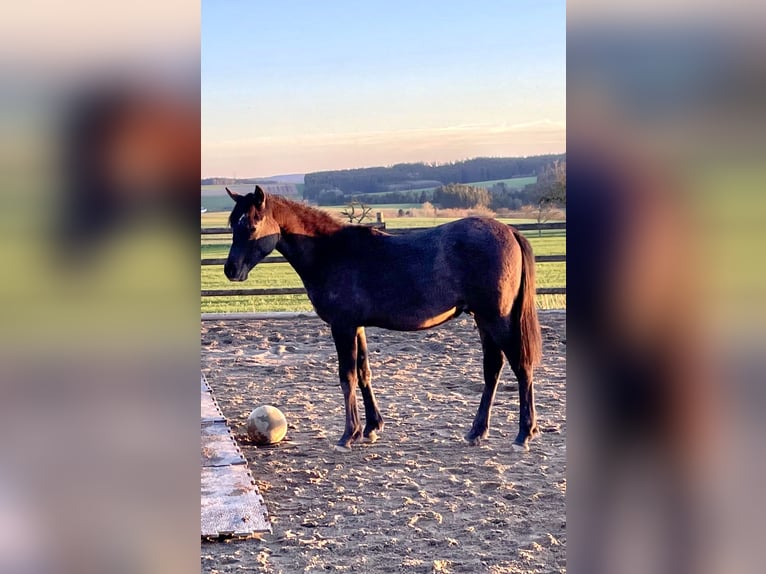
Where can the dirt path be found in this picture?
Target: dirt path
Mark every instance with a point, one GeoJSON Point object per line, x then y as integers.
{"type": "Point", "coordinates": [418, 500]}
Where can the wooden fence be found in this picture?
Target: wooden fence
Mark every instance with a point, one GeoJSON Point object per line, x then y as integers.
{"type": "Point", "coordinates": [302, 291]}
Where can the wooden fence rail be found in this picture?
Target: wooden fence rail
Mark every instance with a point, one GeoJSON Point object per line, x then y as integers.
{"type": "Point", "coordinates": [277, 259]}
{"type": "Point", "coordinates": [405, 230]}
{"type": "Point", "coordinates": [302, 291]}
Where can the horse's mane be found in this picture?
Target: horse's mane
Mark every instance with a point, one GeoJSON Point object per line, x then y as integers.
{"type": "Point", "coordinates": [313, 220]}
{"type": "Point", "coordinates": [300, 217]}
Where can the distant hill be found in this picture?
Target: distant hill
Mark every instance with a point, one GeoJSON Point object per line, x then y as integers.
{"type": "Point", "coordinates": [276, 187]}
{"type": "Point", "coordinates": [405, 176]}
{"type": "Point", "coordinates": [214, 197]}
{"type": "Point", "coordinates": [286, 178]}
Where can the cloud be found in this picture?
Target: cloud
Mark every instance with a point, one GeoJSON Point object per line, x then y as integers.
{"type": "Point", "coordinates": [336, 150]}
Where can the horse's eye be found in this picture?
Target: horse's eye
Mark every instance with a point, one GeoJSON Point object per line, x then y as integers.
{"type": "Point", "coordinates": [244, 222]}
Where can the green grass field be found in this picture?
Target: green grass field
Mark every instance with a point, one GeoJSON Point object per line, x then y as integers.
{"type": "Point", "coordinates": [220, 219]}
{"type": "Point", "coordinates": [214, 198]}
{"type": "Point", "coordinates": [217, 203]}
{"type": "Point", "coordinates": [214, 201]}
{"type": "Point", "coordinates": [513, 183]}
{"type": "Point", "coordinates": [269, 275]}
{"type": "Point", "coordinates": [379, 207]}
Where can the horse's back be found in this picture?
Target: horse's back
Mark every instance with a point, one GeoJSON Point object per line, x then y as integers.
{"type": "Point", "coordinates": [421, 279]}
{"type": "Point", "coordinates": [486, 257]}
{"type": "Point", "coordinates": [473, 262]}
{"type": "Point", "coordinates": [454, 254]}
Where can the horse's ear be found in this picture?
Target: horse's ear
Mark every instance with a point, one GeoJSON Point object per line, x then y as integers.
{"type": "Point", "coordinates": [260, 197]}
{"type": "Point", "coordinates": [233, 194]}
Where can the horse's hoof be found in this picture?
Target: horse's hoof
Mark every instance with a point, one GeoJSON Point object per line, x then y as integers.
{"type": "Point", "coordinates": [520, 447]}
{"type": "Point", "coordinates": [474, 441]}
{"type": "Point", "coordinates": [341, 448]}
{"type": "Point", "coordinates": [372, 437]}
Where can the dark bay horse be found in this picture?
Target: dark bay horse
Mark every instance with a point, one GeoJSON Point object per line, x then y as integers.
{"type": "Point", "coordinates": [357, 276]}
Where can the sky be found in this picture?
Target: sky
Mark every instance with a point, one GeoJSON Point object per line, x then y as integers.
{"type": "Point", "coordinates": [297, 86]}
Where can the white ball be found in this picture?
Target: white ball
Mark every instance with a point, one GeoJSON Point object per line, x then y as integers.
{"type": "Point", "coordinates": [266, 425]}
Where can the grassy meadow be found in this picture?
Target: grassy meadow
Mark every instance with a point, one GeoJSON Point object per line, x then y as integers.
{"type": "Point", "coordinates": [512, 183]}
{"type": "Point", "coordinates": [214, 197]}
{"type": "Point", "coordinates": [271, 275]}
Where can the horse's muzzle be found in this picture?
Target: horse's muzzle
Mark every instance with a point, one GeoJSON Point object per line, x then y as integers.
{"type": "Point", "coordinates": [232, 274]}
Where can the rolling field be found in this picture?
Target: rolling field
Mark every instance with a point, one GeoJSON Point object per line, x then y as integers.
{"type": "Point", "coordinates": [214, 197]}
{"type": "Point", "coordinates": [271, 275]}
{"type": "Point", "coordinates": [513, 183]}
{"type": "Point", "coordinates": [218, 203]}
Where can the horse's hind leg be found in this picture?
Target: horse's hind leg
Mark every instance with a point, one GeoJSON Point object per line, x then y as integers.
{"type": "Point", "coordinates": [493, 364]}
{"type": "Point", "coordinates": [374, 421]}
{"type": "Point", "coordinates": [527, 415]}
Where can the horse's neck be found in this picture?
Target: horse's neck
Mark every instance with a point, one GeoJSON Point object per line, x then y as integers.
{"type": "Point", "coordinates": [301, 252]}
{"type": "Point", "coordinates": [304, 233]}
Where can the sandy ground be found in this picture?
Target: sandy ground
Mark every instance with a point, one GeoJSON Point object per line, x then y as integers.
{"type": "Point", "coordinates": [418, 500]}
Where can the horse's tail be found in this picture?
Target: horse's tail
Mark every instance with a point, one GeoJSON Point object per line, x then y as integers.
{"type": "Point", "coordinates": [525, 310]}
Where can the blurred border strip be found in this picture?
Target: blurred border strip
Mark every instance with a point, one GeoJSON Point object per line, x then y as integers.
{"type": "Point", "coordinates": [99, 155]}
{"type": "Point", "coordinates": [666, 145]}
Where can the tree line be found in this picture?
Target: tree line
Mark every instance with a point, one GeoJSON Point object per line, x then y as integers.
{"type": "Point", "coordinates": [394, 178]}
{"type": "Point", "coordinates": [550, 190]}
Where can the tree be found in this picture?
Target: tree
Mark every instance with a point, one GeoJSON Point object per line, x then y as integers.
{"type": "Point", "coordinates": [550, 191]}
{"type": "Point", "coordinates": [543, 212]}
{"type": "Point", "coordinates": [504, 197]}
{"type": "Point", "coordinates": [330, 197]}
{"type": "Point", "coordinates": [552, 183]}
{"type": "Point", "coordinates": [461, 196]}
{"type": "Point", "coordinates": [354, 216]}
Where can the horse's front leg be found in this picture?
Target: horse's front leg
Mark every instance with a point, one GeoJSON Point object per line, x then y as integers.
{"type": "Point", "coordinates": [346, 345]}
{"type": "Point", "coordinates": [373, 418]}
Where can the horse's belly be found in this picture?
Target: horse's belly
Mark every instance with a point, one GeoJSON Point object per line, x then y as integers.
{"type": "Point", "coordinates": [438, 319]}
{"type": "Point", "coordinates": [392, 313]}
{"type": "Point", "coordinates": [414, 322]}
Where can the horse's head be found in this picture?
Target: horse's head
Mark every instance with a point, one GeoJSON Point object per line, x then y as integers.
{"type": "Point", "coordinates": [255, 233]}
